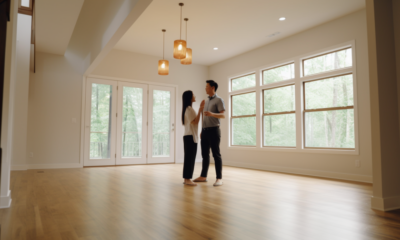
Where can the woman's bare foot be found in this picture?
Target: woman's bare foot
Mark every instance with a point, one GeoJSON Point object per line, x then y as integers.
{"type": "Point", "coordinates": [189, 182]}
{"type": "Point", "coordinates": [200, 179]}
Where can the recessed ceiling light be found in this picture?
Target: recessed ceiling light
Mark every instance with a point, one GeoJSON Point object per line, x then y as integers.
{"type": "Point", "coordinates": [282, 19]}
{"type": "Point", "coordinates": [274, 34]}
{"type": "Point", "coordinates": [215, 48]}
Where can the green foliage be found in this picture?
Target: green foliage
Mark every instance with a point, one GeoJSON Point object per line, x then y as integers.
{"type": "Point", "coordinates": [278, 74]}
{"type": "Point", "coordinates": [244, 82]}
{"type": "Point", "coordinates": [328, 62]}
{"type": "Point", "coordinates": [244, 131]}
{"type": "Point", "coordinates": [244, 104]}
{"type": "Point", "coordinates": [100, 121]}
{"type": "Point", "coordinates": [331, 92]}
{"type": "Point", "coordinates": [132, 115]}
{"type": "Point", "coordinates": [280, 130]}
{"type": "Point", "coordinates": [279, 99]}
{"type": "Point", "coordinates": [331, 129]}
{"type": "Point", "coordinates": [161, 122]}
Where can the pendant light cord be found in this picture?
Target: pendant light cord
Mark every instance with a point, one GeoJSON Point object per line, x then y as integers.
{"type": "Point", "coordinates": [186, 32]}
{"type": "Point", "coordinates": [180, 20]}
{"type": "Point", "coordinates": [163, 45]}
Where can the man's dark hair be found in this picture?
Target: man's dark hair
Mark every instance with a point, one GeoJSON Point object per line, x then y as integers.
{"type": "Point", "coordinates": [212, 84]}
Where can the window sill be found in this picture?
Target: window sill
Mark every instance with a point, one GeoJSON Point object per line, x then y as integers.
{"type": "Point", "coordinates": [295, 150]}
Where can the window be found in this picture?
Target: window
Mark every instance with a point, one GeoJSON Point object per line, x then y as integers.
{"type": "Point", "coordinates": [243, 82]}
{"type": "Point", "coordinates": [329, 112]}
{"type": "Point", "coordinates": [328, 62]}
{"type": "Point", "coordinates": [244, 119]}
{"type": "Point", "coordinates": [25, 3]}
{"type": "Point", "coordinates": [304, 104]}
{"type": "Point", "coordinates": [277, 74]}
{"type": "Point", "coordinates": [279, 118]}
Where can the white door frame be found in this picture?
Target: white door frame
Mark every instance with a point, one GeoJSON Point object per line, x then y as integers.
{"type": "Point", "coordinates": [83, 110]}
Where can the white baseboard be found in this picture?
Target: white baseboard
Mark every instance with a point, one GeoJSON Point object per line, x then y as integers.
{"type": "Point", "coordinates": [5, 202]}
{"type": "Point", "coordinates": [307, 172]}
{"type": "Point", "coordinates": [45, 166]}
{"type": "Point", "coordinates": [385, 204]}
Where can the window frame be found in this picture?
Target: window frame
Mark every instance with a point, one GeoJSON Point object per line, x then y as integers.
{"type": "Point", "coordinates": [25, 10]}
{"type": "Point", "coordinates": [298, 81]}
{"type": "Point", "coordinates": [242, 116]}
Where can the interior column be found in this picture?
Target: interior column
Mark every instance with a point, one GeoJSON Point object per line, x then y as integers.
{"type": "Point", "coordinates": [384, 91]}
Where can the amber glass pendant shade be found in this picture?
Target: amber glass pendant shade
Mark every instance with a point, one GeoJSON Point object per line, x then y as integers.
{"type": "Point", "coordinates": [179, 49]}
{"type": "Point", "coordinates": [188, 59]}
{"type": "Point", "coordinates": [163, 67]}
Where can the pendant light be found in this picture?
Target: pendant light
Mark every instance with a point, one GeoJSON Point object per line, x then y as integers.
{"type": "Point", "coordinates": [188, 59]}
{"type": "Point", "coordinates": [163, 65]}
{"type": "Point", "coordinates": [180, 45]}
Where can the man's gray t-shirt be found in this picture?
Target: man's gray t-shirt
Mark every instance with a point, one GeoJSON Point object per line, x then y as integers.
{"type": "Point", "coordinates": [213, 104]}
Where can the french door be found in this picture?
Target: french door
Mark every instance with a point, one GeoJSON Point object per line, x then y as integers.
{"type": "Point", "coordinates": [128, 123]}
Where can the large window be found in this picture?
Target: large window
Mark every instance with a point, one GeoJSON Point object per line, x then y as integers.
{"type": "Point", "coordinates": [279, 117]}
{"type": "Point", "coordinates": [305, 104]}
{"type": "Point", "coordinates": [329, 112]}
{"type": "Point", "coordinates": [244, 119]}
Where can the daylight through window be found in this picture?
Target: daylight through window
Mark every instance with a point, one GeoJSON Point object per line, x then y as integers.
{"type": "Point", "coordinates": [302, 104]}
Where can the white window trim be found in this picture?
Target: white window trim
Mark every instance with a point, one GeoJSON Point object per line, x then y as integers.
{"type": "Point", "coordinates": [298, 82]}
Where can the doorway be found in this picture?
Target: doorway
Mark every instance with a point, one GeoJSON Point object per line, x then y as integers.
{"type": "Point", "coordinates": [128, 123]}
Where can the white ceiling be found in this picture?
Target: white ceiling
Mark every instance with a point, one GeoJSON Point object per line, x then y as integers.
{"type": "Point", "coordinates": [55, 23]}
{"type": "Point", "coordinates": [234, 26]}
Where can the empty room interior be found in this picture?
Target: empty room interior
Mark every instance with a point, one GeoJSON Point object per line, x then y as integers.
{"type": "Point", "coordinates": [299, 131]}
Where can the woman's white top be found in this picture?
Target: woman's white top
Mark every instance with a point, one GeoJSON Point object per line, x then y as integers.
{"type": "Point", "coordinates": [191, 129]}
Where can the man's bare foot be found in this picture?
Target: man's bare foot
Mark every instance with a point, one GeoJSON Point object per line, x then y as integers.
{"type": "Point", "coordinates": [189, 182]}
{"type": "Point", "coordinates": [218, 182]}
{"type": "Point", "coordinates": [200, 179]}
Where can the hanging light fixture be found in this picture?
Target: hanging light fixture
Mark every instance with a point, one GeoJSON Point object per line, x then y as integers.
{"type": "Point", "coordinates": [180, 45]}
{"type": "Point", "coordinates": [163, 65]}
{"type": "Point", "coordinates": [188, 59]}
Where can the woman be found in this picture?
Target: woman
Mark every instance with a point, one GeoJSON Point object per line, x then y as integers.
{"type": "Point", "coordinates": [190, 138]}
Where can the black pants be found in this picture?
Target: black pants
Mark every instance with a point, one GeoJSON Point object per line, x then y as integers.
{"type": "Point", "coordinates": [210, 138]}
{"type": "Point", "coordinates": [190, 148]}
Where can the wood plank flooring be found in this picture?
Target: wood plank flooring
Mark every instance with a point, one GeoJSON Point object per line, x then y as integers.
{"type": "Point", "coordinates": [150, 202]}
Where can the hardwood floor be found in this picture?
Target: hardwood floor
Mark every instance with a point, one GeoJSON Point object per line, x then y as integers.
{"type": "Point", "coordinates": [150, 202]}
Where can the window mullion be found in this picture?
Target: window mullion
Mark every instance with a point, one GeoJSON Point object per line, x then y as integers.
{"type": "Point", "coordinates": [258, 109]}
{"type": "Point", "coordinates": [299, 104]}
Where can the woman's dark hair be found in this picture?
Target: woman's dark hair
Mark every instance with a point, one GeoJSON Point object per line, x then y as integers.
{"type": "Point", "coordinates": [213, 84]}
{"type": "Point", "coordinates": [186, 102]}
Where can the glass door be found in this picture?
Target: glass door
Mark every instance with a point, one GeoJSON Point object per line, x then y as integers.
{"type": "Point", "coordinates": [100, 127]}
{"type": "Point", "coordinates": [161, 124]}
{"type": "Point", "coordinates": [131, 123]}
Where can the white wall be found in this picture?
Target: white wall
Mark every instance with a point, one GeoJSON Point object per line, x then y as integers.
{"type": "Point", "coordinates": [348, 28]}
{"type": "Point", "coordinates": [122, 64]}
{"type": "Point", "coordinates": [21, 89]}
{"type": "Point", "coordinates": [54, 100]}
{"type": "Point", "coordinates": [10, 72]}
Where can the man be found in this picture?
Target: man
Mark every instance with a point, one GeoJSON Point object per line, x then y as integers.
{"type": "Point", "coordinates": [211, 134]}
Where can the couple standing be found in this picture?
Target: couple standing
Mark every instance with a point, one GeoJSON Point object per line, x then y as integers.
{"type": "Point", "coordinates": [210, 135]}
